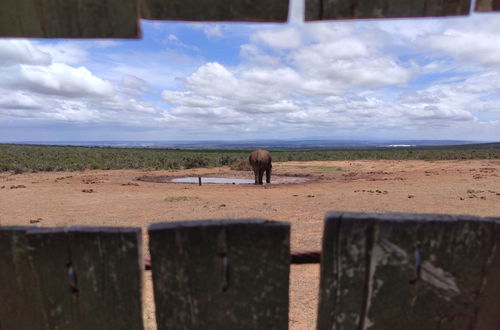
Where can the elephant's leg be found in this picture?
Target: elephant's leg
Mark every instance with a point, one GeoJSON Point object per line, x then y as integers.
{"type": "Point", "coordinates": [268, 175]}
{"type": "Point", "coordinates": [256, 172]}
{"type": "Point", "coordinates": [261, 174]}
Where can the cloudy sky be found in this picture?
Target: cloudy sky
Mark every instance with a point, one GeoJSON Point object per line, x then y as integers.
{"type": "Point", "coordinates": [396, 79]}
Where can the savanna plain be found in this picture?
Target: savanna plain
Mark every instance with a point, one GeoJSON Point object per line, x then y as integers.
{"type": "Point", "coordinates": [142, 194]}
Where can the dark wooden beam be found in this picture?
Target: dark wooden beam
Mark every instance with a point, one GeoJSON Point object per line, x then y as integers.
{"type": "Point", "coordinates": [354, 9]}
{"type": "Point", "coordinates": [69, 19]}
{"type": "Point", "coordinates": [216, 10]}
{"type": "Point", "coordinates": [487, 5]}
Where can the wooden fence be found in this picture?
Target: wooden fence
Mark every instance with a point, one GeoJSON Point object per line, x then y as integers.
{"type": "Point", "coordinates": [120, 18]}
{"type": "Point", "coordinates": [378, 271]}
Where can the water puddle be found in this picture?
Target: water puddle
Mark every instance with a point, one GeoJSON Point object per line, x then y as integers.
{"type": "Point", "coordinates": [276, 180]}
{"type": "Point", "coordinates": [192, 179]}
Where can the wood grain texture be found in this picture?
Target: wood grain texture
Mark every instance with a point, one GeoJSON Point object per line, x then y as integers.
{"type": "Point", "coordinates": [407, 271]}
{"type": "Point", "coordinates": [221, 274]}
{"type": "Point", "coordinates": [216, 10]}
{"type": "Point", "coordinates": [89, 278]}
{"type": "Point", "coordinates": [487, 5]}
{"type": "Point", "coordinates": [352, 9]}
{"type": "Point", "coordinates": [69, 18]}
{"type": "Point", "coordinates": [20, 302]}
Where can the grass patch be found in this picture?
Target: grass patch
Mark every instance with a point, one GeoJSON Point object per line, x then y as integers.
{"type": "Point", "coordinates": [180, 198]}
{"type": "Point", "coordinates": [327, 169]}
{"type": "Point", "coordinates": [320, 169]}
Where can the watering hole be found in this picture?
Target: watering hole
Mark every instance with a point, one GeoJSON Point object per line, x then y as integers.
{"type": "Point", "coordinates": [221, 180]}
{"type": "Point", "coordinates": [193, 179]}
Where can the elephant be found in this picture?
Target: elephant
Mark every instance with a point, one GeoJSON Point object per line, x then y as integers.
{"type": "Point", "coordinates": [260, 160]}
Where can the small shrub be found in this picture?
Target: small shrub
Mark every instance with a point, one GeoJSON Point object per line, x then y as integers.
{"type": "Point", "coordinates": [241, 165]}
{"type": "Point", "coordinates": [17, 170]}
{"type": "Point", "coordinates": [195, 162]}
{"type": "Point", "coordinates": [227, 160]}
{"type": "Point", "coordinates": [174, 165]}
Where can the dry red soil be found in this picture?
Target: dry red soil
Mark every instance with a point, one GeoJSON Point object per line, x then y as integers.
{"type": "Point", "coordinates": [117, 198]}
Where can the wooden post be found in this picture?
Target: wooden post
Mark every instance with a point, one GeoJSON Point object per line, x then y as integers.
{"type": "Point", "coordinates": [351, 9]}
{"type": "Point", "coordinates": [221, 274]}
{"type": "Point", "coordinates": [199, 180]}
{"type": "Point", "coordinates": [20, 300]}
{"type": "Point", "coordinates": [88, 278]}
{"type": "Point", "coordinates": [409, 271]}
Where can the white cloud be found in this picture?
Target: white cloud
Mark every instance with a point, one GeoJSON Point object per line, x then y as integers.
{"type": "Point", "coordinates": [17, 101]}
{"type": "Point", "coordinates": [160, 69]}
{"type": "Point", "coordinates": [44, 88]}
{"type": "Point", "coordinates": [467, 46]}
{"type": "Point", "coordinates": [55, 79]}
{"type": "Point", "coordinates": [292, 86]}
{"type": "Point", "coordinates": [18, 51]}
{"type": "Point", "coordinates": [211, 30]}
{"type": "Point", "coordinates": [326, 32]}
{"type": "Point", "coordinates": [255, 56]}
{"type": "Point", "coordinates": [404, 31]}
{"type": "Point", "coordinates": [61, 79]}
{"type": "Point", "coordinates": [135, 84]}
{"type": "Point", "coordinates": [172, 37]}
{"type": "Point", "coordinates": [187, 99]}
{"type": "Point", "coordinates": [280, 38]}
{"type": "Point", "coordinates": [68, 52]}
{"type": "Point", "coordinates": [390, 78]}
{"type": "Point", "coordinates": [212, 79]}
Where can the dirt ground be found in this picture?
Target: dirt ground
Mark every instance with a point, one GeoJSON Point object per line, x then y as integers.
{"type": "Point", "coordinates": [117, 198]}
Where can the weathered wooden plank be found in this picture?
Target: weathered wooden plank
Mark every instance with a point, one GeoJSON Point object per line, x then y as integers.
{"type": "Point", "coordinates": [216, 10]}
{"type": "Point", "coordinates": [408, 271]}
{"type": "Point", "coordinates": [69, 18]}
{"type": "Point", "coordinates": [221, 274]}
{"type": "Point", "coordinates": [19, 299]}
{"type": "Point", "coordinates": [487, 5]}
{"type": "Point", "coordinates": [488, 313]}
{"type": "Point", "coordinates": [352, 9]}
{"type": "Point", "coordinates": [89, 278]}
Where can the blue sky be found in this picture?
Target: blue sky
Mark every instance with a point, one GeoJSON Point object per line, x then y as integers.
{"type": "Point", "coordinates": [381, 79]}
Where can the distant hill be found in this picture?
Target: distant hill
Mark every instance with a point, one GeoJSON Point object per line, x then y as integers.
{"type": "Point", "coordinates": [490, 145]}
{"type": "Point", "coordinates": [283, 144]}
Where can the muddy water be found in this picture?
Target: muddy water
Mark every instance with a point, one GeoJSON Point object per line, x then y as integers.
{"type": "Point", "coordinates": [192, 179]}
{"type": "Point", "coordinates": [279, 180]}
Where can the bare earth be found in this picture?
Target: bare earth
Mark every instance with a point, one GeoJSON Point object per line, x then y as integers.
{"type": "Point", "coordinates": [117, 198]}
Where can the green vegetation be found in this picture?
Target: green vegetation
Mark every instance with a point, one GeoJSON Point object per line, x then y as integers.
{"type": "Point", "coordinates": [179, 198]}
{"type": "Point", "coordinates": [327, 169]}
{"type": "Point", "coordinates": [33, 158]}
{"type": "Point", "coordinates": [241, 165]}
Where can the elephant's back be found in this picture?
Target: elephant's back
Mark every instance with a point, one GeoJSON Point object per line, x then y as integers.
{"type": "Point", "coordinates": [260, 156]}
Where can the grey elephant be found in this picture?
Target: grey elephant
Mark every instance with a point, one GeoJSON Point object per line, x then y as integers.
{"type": "Point", "coordinates": [260, 160]}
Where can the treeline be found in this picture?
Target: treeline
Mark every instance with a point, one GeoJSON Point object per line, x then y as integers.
{"type": "Point", "coordinates": [34, 158]}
